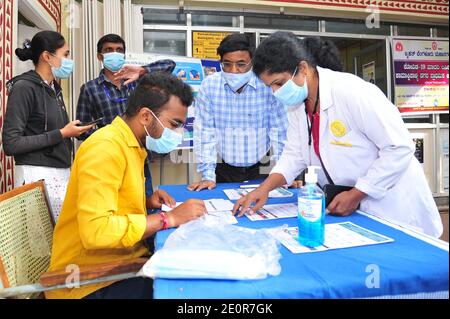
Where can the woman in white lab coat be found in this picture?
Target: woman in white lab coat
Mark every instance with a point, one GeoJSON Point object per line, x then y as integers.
{"type": "Point", "coordinates": [351, 126]}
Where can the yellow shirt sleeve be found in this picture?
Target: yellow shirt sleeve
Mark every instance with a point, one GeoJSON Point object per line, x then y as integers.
{"type": "Point", "coordinates": [101, 168]}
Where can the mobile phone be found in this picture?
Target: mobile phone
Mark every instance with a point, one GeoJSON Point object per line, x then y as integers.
{"type": "Point", "coordinates": [90, 123]}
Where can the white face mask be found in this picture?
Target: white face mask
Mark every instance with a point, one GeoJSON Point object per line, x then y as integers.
{"type": "Point", "coordinates": [291, 94]}
{"type": "Point", "coordinates": [65, 70]}
{"type": "Point", "coordinates": [168, 141]}
{"type": "Point", "coordinates": [113, 61]}
{"type": "Point", "coordinates": [237, 80]}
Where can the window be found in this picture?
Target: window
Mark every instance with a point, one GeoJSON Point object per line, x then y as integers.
{"type": "Point", "coordinates": [365, 58]}
{"type": "Point", "coordinates": [165, 42]}
{"type": "Point", "coordinates": [442, 31]}
{"type": "Point", "coordinates": [356, 26]}
{"type": "Point", "coordinates": [419, 119]}
{"type": "Point", "coordinates": [155, 16]}
{"type": "Point", "coordinates": [413, 30]}
{"type": "Point", "coordinates": [215, 20]}
{"type": "Point", "coordinates": [298, 23]}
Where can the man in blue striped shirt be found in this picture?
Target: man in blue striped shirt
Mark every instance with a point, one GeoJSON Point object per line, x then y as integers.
{"type": "Point", "coordinates": [237, 119]}
{"type": "Point", "coordinates": [106, 96]}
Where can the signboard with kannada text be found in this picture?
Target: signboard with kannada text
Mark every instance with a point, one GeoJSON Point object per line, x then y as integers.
{"type": "Point", "coordinates": [205, 44]}
{"type": "Point", "coordinates": [420, 74]}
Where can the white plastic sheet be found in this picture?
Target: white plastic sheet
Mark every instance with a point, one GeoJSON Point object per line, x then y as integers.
{"type": "Point", "coordinates": [209, 248]}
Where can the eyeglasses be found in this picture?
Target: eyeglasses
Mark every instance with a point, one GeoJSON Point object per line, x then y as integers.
{"type": "Point", "coordinates": [178, 125]}
{"type": "Point", "coordinates": [241, 66]}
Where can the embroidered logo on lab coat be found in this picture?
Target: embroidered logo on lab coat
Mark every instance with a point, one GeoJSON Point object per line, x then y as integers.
{"type": "Point", "coordinates": [338, 128]}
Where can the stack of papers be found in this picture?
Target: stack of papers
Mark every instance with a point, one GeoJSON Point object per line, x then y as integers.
{"type": "Point", "coordinates": [220, 208]}
{"type": "Point", "coordinates": [216, 208]}
{"type": "Point", "coordinates": [337, 236]}
{"type": "Point", "coordinates": [218, 205]}
{"type": "Point", "coordinates": [235, 194]}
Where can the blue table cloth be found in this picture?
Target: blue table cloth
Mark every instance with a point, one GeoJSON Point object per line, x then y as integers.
{"type": "Point", "coordinates": [406, 266]}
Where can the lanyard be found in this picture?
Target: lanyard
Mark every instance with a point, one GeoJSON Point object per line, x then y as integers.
{"type": "Point", "coordinates": [108, 94]}
{"type": "Point", "coordinates": [310, 127]}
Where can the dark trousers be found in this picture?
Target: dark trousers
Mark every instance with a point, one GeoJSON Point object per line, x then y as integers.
{"type": "Point", "coordinates": [226, 173]}
{"type": "Point", "coordinates": [133, 288]}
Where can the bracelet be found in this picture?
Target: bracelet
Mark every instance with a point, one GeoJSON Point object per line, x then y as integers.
{"type": "Point", "coordinates": [164, 220]}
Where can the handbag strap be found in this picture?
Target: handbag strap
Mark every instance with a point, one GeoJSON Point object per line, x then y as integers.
{"type": "Point", "coordinates": [326, 172]}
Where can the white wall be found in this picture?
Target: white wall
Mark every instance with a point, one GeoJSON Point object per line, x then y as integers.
{"type": "Point", "coordinates": [24, 32]}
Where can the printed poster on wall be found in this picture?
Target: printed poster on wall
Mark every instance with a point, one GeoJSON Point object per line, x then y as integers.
{"type": "Point", "coordinates": [419, 149]}
{"type": "Point", "coordinates": [420, 74]}
{"type": "Point", "coordinates": [444, 159]}
{"type": "Point", "coordinates": [190, 70]}
{"type": "Point", "coordinates": [205, 44]}
{"type": "Point", "coordinates": [368, 72]}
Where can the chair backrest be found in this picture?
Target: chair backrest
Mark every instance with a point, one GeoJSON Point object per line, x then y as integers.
{"type": "Point", "coordinates": [26, 233]}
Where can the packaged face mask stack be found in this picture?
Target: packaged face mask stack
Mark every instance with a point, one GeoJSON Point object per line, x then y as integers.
{"type": "Point", "coordinates": [212, 249]}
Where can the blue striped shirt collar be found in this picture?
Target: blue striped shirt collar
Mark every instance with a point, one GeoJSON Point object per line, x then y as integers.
{"type": "Point", "coordinates": [102, 78]}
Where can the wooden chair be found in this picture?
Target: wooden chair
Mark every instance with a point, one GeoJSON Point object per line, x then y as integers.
{"type": "Point", "coordinates": [26, 233]}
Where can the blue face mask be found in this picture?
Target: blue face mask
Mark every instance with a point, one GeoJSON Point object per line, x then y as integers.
{"type": "Point", "coordinates": [290, 94]}
{"type": "Point", "coordinates": [237, 80]}
{"type": "Point", "coordinates": [65, 70]}
{"type": "Point", "coordinates": [168, 141]}
{"type": "Point", "coordinates": [113, 61]}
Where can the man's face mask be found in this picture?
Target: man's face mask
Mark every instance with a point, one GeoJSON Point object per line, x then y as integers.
{"type": "Point", "coordinates": [168, 141]}
{"type": "Point", "coordinates": [237, 80]}
{"type": "Point", "coordinates": [113, 61]}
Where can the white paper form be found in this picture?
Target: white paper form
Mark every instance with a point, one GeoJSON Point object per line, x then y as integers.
{"type": "Point", "coordinates": [337, 236]}
{"type": "Point", "coordinates": [218, 205]}
{"type": "Point", "coordinates": [235, 194]}
{"type": "Point", "coordinates": [220, 208]}
{"type": "Point", "coordinates": [274, 211]}
{"type": "Point", "coordinates": [225, 216]}
{"type": "Point", "coordinates": [212, 205]}
{"type": "Point", "coordinates": [216, 208]}
{"type": "Point", "coordinates": [166, 208]}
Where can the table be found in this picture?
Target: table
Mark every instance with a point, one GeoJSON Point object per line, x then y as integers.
{"type": "Point", "coordinates": [413, 265]}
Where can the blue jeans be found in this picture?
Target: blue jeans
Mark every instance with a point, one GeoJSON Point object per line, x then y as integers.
{"type": "Point", "coordinates": [148, 181]}
{"type": "Point", "coordinates": [133, 288]}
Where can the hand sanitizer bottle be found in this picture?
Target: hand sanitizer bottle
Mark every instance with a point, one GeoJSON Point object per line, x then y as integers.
{"type": "Point", "coordinates": [311, 211]}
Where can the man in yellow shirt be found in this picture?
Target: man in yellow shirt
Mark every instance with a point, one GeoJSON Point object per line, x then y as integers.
{"type": "Point", "coordinates": [104, 217]}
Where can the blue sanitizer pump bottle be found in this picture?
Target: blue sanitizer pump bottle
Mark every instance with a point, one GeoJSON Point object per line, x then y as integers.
{"type": "Point", "coordinates": [311, 211]}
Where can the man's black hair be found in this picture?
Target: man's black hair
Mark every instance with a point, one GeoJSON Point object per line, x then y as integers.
{"type": "Point", "coordinates": [154, 91]}
{"type": "Point", "coordinates": [112, 38]}
{"type": "Point", "coordinates": [235, 42]}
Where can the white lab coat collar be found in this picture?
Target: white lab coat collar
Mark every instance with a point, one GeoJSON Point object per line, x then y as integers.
{"type": "Point", "coordinates": [326, 99]}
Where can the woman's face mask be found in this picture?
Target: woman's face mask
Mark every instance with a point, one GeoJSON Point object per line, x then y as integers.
{"type": "Point", "coordinates": [291, 94]}
{"type": "Point", "coordinates": [168, 141]}
{"type": "Point", "coordinates": [65, 69]}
